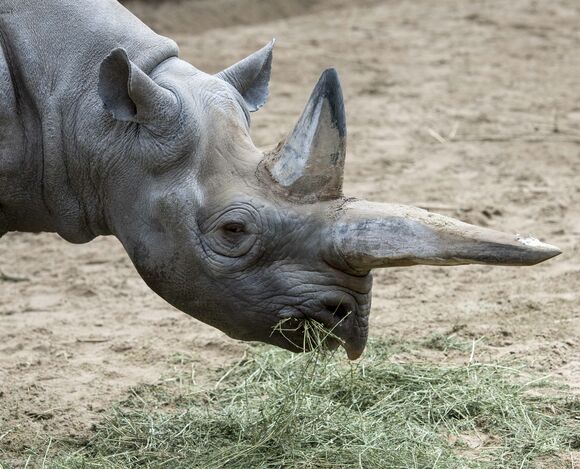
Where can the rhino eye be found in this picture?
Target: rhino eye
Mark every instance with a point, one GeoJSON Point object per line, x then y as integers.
{"type": "Point", "coordinates": [232, 233]}
{"type": "Point", "coordinates": [234, 228]}
{"type": "Point", "coordinates": [232, 237]}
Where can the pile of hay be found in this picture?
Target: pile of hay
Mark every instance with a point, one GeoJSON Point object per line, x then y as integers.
{"type": "Point", "coordinates": [281, 410]}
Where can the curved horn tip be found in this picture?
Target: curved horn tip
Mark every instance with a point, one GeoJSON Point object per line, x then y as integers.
{"type": "Point", "coordinates": [541, 251]}
{"type": "Point", "coordinates": [330, 75]}
{"type": "Point", "coordinates": [329, 86]}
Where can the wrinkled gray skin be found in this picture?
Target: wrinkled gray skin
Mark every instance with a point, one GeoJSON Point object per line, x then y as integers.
{"type": "Point", "coordinates": [105, 131]}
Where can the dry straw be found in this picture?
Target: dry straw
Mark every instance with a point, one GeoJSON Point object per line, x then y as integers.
{"type": "Point", "coordinates": [316, 410]}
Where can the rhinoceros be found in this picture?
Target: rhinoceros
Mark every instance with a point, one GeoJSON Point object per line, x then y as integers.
{"type": "Point", "coordinates": [104, 130]}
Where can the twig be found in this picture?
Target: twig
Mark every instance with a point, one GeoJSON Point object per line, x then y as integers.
{"type": "Point", "coordinates": [11, 278]}
{"type": "Point", "coordinates": [4, 434]}
{"type": "Point", "coordinates": [46, 453]}
{"type": "Point", "coordinates": [227, 373]}
{"type": "Point", "coordinates": [92, 341]}
{"type": "Point", "coordinates": [436, 136]}
{"type": "Point", "coordinates": [453, 132]}
{"type": "Point", "coordinates": [472, 352]}
{"type": "Point", "coordinates": [428, 206]}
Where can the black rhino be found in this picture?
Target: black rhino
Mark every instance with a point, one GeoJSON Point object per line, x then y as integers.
{"type": "Point", "coordinates": [105, 131]}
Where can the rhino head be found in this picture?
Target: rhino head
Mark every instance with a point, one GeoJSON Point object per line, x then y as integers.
{"type": "Point", "coordinates": [240, 239]}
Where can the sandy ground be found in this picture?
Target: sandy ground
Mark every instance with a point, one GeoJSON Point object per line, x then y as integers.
{"type": "Point", "coordinates": [471, 109]}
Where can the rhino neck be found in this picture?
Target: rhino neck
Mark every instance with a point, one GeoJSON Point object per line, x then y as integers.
{"type": "Point", "coordinates": [58, 174]}
{"type": "Point", "coordinates": [22, 205]}
{"type": "Point", "coordinates": [35, 189]}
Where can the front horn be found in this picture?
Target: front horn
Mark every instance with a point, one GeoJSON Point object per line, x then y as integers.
{"type": "Point", "coordinates": [372, 235]}
{"type": "Point", "coordinates": [308, 166]}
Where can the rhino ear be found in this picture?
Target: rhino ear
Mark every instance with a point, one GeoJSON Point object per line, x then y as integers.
{"type": "Point", "coordinates": [129, 94]}
{"type": "Point", "coordinates": [251, 76]}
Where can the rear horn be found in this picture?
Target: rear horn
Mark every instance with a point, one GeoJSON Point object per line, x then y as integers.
{"type": "Point", "coordinates": [308, 166]}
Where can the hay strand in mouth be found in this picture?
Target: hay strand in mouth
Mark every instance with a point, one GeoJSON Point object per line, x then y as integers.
{"type": "Point", "coordinates": [316, 337]}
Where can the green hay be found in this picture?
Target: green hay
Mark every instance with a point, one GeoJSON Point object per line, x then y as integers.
{"type": "Point", "coordinates": [276, 409]}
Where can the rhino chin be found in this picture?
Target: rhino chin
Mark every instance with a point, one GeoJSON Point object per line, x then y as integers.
{"type": "Point", "coordinates": [347, 333]}
{"type": "Point", "coordinates": [354, 350]}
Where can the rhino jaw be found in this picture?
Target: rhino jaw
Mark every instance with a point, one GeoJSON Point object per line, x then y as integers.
{"type": "Point", "coordinates": [342, 320]}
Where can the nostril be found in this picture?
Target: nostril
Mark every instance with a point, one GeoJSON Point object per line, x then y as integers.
{"type": "Point", "coordinates": [340, 310]}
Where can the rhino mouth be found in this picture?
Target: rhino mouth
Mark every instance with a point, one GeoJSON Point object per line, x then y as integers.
{"type": "Point", "coordinates": [340, 321]}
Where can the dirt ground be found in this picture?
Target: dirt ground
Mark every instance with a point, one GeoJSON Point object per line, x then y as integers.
{"type": "Point", "coordinates": [471, 109]}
